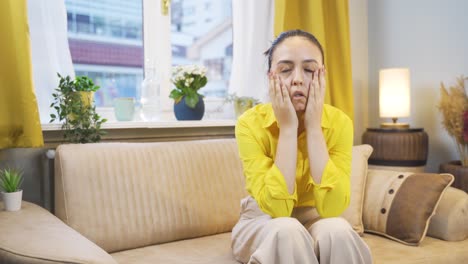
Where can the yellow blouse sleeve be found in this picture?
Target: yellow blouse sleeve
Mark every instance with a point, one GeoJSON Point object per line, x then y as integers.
{"type": "Point", "coordinates": [264, 181]}
{"type": "Point", "coordinates": [332, 195]}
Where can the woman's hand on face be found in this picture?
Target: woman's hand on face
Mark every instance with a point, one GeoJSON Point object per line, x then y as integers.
{"type": "Point", "coordinates": [315, 101]}
{"type": "Point", "coordinates": [281, 102]}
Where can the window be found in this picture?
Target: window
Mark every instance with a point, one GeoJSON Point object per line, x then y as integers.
{"type": "Point", "coordinates": [215, 68]}
{"type": "Point", "coordinates": [83, 23]}
{"type": "Point", "coordinates": [99, 26]}
{"type": "Point", "coordinates": [71, 22]}
{"type": "Point", "coordinates": [201, 37]}
{"type": "Point", "coordinates": [106, 45]}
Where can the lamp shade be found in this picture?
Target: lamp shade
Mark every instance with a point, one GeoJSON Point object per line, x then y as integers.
{"type": "Point", "coordinates": [394, 92]}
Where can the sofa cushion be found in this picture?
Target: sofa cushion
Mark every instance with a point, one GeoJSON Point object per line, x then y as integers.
{"type": "Point", "coordinates": [353, 214]}
{"type": "Point", "coordinates": [450, 221]}
{"type": "Point", "coordinates": [399, 205]}
{"type": "Point", "coordinates": [33, 235]}
{"type": "Point", "coordinates": [214, 249]}
{"type": "Point", "coordinates": [431, 250]}
{"type": "Point", "coordinates": [129, 195]}
{"type": "Point", "coordinates": [217, 250]}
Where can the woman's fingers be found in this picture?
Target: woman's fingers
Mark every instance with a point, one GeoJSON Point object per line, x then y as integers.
{"type": "Point", "coordinates": [321, 84]}
{"type": "Point", "coordinates": [315, 85]}
{"type": "Point", "coordinates": [272, 87]}
{"type": "Point", "coordinates": [323, 81]}
{"type": "Point", "coordinates": [285, 93]}
{"type": "Point", "coordinates": [310, 97]}
{"type": "Point", "coordinates": [278, 90]}
{"type": "Point", "coordinates": [286, 98]}
{"type": "Point", "coordinates": [275, 89]}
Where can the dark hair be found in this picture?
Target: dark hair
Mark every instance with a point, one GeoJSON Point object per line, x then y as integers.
{"type": "Point", "coordinates": [292, 33]}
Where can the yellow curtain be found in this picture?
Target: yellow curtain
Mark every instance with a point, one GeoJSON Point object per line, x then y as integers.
{"type": "Point", "coordinates": [19, 117]}
{"type": "Point", "coordinates": [328, 21]}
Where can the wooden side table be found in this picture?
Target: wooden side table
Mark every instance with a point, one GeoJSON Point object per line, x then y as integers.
{"type": "Point", "coordinates": [397, 149]}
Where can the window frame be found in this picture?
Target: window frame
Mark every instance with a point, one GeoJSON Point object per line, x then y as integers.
{"type": "Point", "coordinates": [158, 52]}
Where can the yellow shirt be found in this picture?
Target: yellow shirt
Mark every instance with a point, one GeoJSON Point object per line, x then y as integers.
{"type": "Point", "coordinates": [257, 135]}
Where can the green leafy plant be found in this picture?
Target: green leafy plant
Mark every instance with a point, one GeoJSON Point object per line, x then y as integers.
{"type": "Point", "coordinates": [73, 102]}
{"type": "Point", "coordinates": [188, 79]}
{"type": "Point", "coordinates": [10, 180]}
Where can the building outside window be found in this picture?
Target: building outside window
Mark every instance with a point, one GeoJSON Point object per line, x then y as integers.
{"type": "Point", "coordinates": [105, 39]}
{"type": "Point", "coordinates": [106, 43]}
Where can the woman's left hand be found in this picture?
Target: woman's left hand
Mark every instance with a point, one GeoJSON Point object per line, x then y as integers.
{"type": "Point", "coordinates": [315, 101]}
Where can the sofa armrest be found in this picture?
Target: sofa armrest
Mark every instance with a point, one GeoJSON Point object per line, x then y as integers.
{"type": "Point", "coordinates": [34, 235]}
{"type": "Point", "coordinates": [451, 217]}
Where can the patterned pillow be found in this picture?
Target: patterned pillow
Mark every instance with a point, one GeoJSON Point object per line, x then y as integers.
{"type": "Point", "coordinates": [353, 214]}
{"type": "Point", "coordinates": [399, 205]}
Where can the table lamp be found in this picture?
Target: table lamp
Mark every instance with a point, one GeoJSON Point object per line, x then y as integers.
{"type": "Point", "coordinates": [394, 96]}
{"type": "Point", "coordinates": [396, 145]}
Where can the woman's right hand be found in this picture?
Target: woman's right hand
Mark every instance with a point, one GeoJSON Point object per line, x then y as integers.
{"type": "Point", "coordinates": [282, 106]}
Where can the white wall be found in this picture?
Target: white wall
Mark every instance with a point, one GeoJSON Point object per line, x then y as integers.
{"type": "Point", "coordinates": [430, 37]}
{"type": "Point", "coordinates": [360, 64]}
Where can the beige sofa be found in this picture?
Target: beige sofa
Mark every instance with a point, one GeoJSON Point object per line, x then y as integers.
{"type": "Point", "coordinates": [171, 202]}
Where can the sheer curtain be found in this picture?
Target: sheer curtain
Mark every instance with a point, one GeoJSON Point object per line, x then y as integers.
{"type": "Point", "coordinates": [50, 51]}
{"type": "Point", "coordinates": [252, 35]}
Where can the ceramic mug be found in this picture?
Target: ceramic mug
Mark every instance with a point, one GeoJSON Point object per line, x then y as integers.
{"type": "Point", "coordinates": [124, 108]}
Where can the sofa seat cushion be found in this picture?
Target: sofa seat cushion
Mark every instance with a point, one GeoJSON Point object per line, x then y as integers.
{"type": "Point", "coordinates": [430, 250]}
{"type": "Point", "coordinates": [215, 249]}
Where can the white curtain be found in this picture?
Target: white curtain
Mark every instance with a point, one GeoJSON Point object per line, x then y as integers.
{"type": "Point", "coordinates": [252, 35]}
{"type": "Point", "coordinates": [49, 48]}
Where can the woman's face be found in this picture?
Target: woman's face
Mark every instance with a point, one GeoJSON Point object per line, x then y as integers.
{"type": "Point", "coordinates": [294, 60]}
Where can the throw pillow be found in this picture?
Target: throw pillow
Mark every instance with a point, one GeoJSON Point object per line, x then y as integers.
{"type": "Point", "coordinates": [353, 214]}
{"type": "Point", "coordinates": [450, 221]}
{"type": "Point", "coordinates": [399, 205]}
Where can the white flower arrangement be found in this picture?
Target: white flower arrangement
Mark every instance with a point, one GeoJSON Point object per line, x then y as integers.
{"type": "Point", "coordinates": [188, 79]}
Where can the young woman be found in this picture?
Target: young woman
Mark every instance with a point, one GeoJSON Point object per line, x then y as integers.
{"type": "Point", "coordinates": [296, 154]}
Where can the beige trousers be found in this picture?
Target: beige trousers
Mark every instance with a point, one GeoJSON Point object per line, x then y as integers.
{"type": "Point", "coordinates": [302, 238]}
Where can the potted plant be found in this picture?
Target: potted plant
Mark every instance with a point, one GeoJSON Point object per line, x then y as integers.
{"type": "Point", "coordinates": [10, 183]}
{"type": "Point", "coordinates": [73, 102]}
{"type": "Point", "coordinates": [241, 103]}
{"type": "Point", "coordinates": [454, 108]}
{"type": "Point", "coordinates": [188, 103]}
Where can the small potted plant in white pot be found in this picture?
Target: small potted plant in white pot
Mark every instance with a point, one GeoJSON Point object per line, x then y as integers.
{"type": "Point", "coordinates": [10, 183]}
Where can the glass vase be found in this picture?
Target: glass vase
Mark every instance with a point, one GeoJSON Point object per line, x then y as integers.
{"type": "Point", "coordinates": [150, 97]}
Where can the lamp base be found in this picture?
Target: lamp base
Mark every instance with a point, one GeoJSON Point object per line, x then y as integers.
{"type": "Point", "coordinates": [395, 125]}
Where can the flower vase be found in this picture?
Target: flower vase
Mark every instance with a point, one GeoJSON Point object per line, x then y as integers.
{"type": "Point", "coordinates": [86, 98]}
{"type": "Point", "coordinates": [459, 172]}
{"type": "Point", "coordinates": [150, 96]}
{"type": "Point", "coordinates": [184, 112]}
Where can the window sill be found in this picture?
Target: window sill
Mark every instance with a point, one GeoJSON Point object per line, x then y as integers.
{"type": "Point", "coordinates": [138, 131]}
